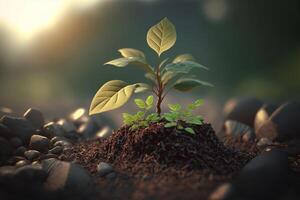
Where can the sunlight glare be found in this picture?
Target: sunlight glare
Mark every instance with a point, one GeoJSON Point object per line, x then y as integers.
{"type": "Point", "coordinates": [27, 17]}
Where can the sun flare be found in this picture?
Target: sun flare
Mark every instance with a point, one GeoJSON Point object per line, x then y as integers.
{"type": "Point", "coordinates": [27, 17]}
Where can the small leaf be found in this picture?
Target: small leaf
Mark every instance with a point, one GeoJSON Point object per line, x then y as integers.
{"type": "Point", "coordinates": [189, 130]}
{"type": "Point", "coordinates": [183, 57]}
{"type": "Point", "coordinates": [151, 77]}
{"type": "Point", "coordinates": [183, 67]}
{"type": "Point", "coordinates": [142, 87]}
{"type": "Point", "coordinates": [140, 103]}
{"type": "Point", "coordinates": [161, 36]}
{"type": "Point", "coordinates": [186, 84]}
{"type": "Point", "coordinates": [153, 117]}
{"type": "Point", "coordinates": [110, 96]}
{"type": "Point", "coordinates": [167, 76]}
{"type": "Point", "coordinates": [137, 61]}
{"type": "Point", "coordinates": [149, 100]}
{"type": "Point", "coordinates": [170, 124]}
{"type": "Point", "coordinates": [129, 52]}
{"type": "Point", "coordinates": [161, 65]}
{"type": "Point", "coordinates": [174, 107]}
{"type": "Point", "coordinates": [140, 115]}
{"type": "Point", "coordinates": [199, 102]}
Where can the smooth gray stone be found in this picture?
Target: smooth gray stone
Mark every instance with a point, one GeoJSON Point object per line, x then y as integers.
{"type": "Point", "coordinates": [264, 177]}
{"type": "Point", "coordinates": [39, 143]}
{"type": "Point", "coordinates": [36, 117]}
{"type": "Point", "coordinates": [32, 154]}
{"type": "Point", "coordinates": [20, 127]}
{"type": "Point", "coordinates": [56, 150]}
{"type": "Point", "coordinates": [65, 175]}
{"type": "Point", "coordinates": [104, 168]}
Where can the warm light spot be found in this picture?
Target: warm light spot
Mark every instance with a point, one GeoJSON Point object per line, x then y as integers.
{"type": "Point", "coordinates": [77, 114]}
{"type": "Point", "coordinates": [28, 17]}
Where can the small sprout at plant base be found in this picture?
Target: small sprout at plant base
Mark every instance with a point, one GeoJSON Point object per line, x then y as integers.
{"type": "Point", "coordinates": [142, 118]}
{"type": "Point", "coordinates": [177, 116]}
{"type": "Point", "coordinates": [166, 75]}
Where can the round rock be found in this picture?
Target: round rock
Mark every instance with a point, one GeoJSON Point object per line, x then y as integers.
{"type": "Point", "coordinates": [242, 110]}
{"type": "Point", "coordinates": [36, 117]}
{"type": "Point", "coordinates": [32, 155]}
{"type": "Point", "coordinates": [263, 115]}
{"type": "Point", "coordinates": [283, 124]}
{"type": "Point", "coordinates": [19, 127]}
{"type": "Point", "coordinates": [104, 168]}
{"type": "Point", "coordinates": [39, 143]}
{"type": "Point", "coordinates": [20, 151]}
{"type": "Point", "coordinates": [56, 150]}
{"type": "Point", "coordinates": [5, 132]}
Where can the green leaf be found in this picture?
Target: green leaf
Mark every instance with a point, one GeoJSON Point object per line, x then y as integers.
{"type": "Point", "coordinates": [128, 119]}
{"type": "Point", "coordinates": [167, 76]}
{"type": "Point", "coordinates": [195, 120]}
{"type": "Point", "coordinates": [142, 87]}
{"type": "Point", "coordinates": [140, 115]}
{"type": "Point", "coordinates": [149, 101]}
{"type": "Point", "coordinates": [161, 65]}
{"type": "Point", "coordinates": [170, 124]}
{"type": "Point", "coordinates": [199, 102]}
{"type": "Point", "coordinates": [140, 103]}
{"type": "Point", "coordinates": [129, 52]}
{"type": "Point", "coordinates": [161, 36]}
{"type": "Point", "coordinates": [151, 77]}
{"type": "Point", "coordinates": [189, 130]}
{"type": "Point", "coordinates": [183, 57]}
{"type": "Point", "coordinates": [111, 95]}
{"type": "Point", "coordinates": [180, 127]}
{"type": "Point", "coordinates": [153, 117]}
{"type": "Point", "coordinates": [137, 61]}
{"type": "Point", "coordinates": [174, 107]}
{"type": "Point", "coordinates": [171, 117]}
{"type": "Point", "coordinates": [183, 67]}
{"type": "Point", "coordinates": [186, 84]}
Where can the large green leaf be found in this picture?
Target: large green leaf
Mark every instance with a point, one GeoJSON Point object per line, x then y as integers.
{"type": "Point", "coordinates": [129, 52]}
{"type": "Point", "coordinates": [111, 95]}
{"type": "Point", "coordinates": [183, 57]}
{"type": "Point", "coordinates": [138, 61]}
{"type": "Point", "coordinates": [186, 84]}
{"type": "Point", "coordinates": [183, 67]}
{"type": "Point", "coordinates": [161, 36]}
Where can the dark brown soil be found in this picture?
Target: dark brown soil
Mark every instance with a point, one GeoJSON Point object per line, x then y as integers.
{"type": "Point", "coordinates": [160, 163]}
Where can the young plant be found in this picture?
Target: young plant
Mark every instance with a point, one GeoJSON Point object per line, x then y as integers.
{"type": "Point", "coordinates": [142, 118]}
{"type": "Point", "coordinates": [179, 118]}
{"type": "Point", "coordinates": [165, 76]}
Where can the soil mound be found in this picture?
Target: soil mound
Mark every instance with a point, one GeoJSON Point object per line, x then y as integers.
{"type": "Point", "coordinates": [168, 147]}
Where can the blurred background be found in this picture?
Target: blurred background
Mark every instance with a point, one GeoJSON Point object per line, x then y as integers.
{"type": "Point", "coordinates": [52, 51]}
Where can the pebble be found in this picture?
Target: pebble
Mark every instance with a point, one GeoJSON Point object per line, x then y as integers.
{"type": "Point", "coordinates": [104, 168]}
{"type": "Point", "coordinates": [39, 143]}
{"type": "Point", "coordinates": [32, 155]}
{"type": "Point", "coordinates": [242, 110]}
{"type": "Point", "coordinates": [22, 163]}
{"type": "Point", "coordinates": [283, 125]}
{"type": "Point", "coordinates": [263, 142]}
{"type": "Point", "coordinates": [62, 143]}
{"type": "Point", "coordinates": [265, 177]}
{"type": "Point", "coordinates": [49, 155]}
{"type": "Point", "coordinates": [36, 117]}
{"type": "Point", "coordinates": [52, 129]}
{"type": "Point", "coordinates": [237, 129]}
{"type": "Point", "coordinates": [104, 133]}
{"type": "Point", "coordinates": [65, 175]}
{"type": "Point", "coordinates": [263, 115]}
{"type": "Point", "coordinates": [31, 172]}
{"type": "Point", "coordinates": [56, 139]}
{"type": "Point", "coordinates": [19, 126]}
{"type": "Point", "coordinates": [16, 142]}
{"type": "Point", "coordinates": [56, 150]}
{"type": "Point", "coordinates": [67, 126]}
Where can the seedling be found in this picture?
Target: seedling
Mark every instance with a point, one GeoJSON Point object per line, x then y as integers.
{"type": "Point", "coordinates": [167, 75]}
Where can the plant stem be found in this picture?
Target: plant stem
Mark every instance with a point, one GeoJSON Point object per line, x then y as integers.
{"type": "Point", "coordinates": [159, 91]}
